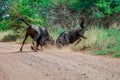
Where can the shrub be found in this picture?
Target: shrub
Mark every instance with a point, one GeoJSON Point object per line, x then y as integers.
{"type": "Point", "coordinates": [4, 25]}
{"type": "Point", "coordinates": [8, 35]}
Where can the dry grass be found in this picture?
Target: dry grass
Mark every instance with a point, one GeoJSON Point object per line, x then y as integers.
{"type": "Point", "coordinates": [100, 41]}
{"type": "Point", "coordinates": [8, 35]}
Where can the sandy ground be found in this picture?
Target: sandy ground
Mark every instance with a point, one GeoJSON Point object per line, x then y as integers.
{"type": "Point", "coordinates": [54, 64]}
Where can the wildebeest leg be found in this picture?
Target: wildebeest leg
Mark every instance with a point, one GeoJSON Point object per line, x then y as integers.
{"type": "Point", "coordinates": [63, 40]}
{"type": "Point", "coordinates": [78, 41]}
{"type": "Point", "coordinates": [37, 46]}
{"type": "Point", "coordinates": [41, 48]}
{"type": "Point", "coordinates": [58, 42]}
{"type": "Point", "coordinates": [34, 42]}
{"type": "Point", "coordinates": [34, 47]}
{"type": "Point", "coordinates": [23, 42]}
{"type": "Point", "coordinates": [40, 42]}
{"type": "Point", "coordinates": [83, 37]}
{"type": "Point", "coordinates": [67, 39]}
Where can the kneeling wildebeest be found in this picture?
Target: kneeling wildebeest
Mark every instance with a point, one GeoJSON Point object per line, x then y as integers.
{"type": "Point", "coordinates": [36, 33]}
{"type": "Point", "coordinates": [70, 36]}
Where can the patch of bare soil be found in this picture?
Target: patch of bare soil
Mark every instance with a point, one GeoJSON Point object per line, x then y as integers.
{"type": "Point", "coordinates": [54, 64]}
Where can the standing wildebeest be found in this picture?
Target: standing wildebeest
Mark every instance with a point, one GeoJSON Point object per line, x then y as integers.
{"type": "Point", "coordinates": [71, 36]}
{"type": "Point", "coordinates": [39, 35]}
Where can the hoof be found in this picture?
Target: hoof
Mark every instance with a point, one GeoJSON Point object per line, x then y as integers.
{"type": "Point", "coordinates": [20, 50]}
{"type": "Point", "coordinates": [33, 49]}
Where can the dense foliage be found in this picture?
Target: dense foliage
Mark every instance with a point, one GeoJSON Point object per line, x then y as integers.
{"type": "Point", "coordinates": [63, 12]}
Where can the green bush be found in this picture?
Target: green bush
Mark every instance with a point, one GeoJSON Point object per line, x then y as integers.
{"type": "Point", "coordinates": [62, 12]}
{"type": "Point", "coordinates": [4, 25]}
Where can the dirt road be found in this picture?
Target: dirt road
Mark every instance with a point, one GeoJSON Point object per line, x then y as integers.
{"type": "Point", "coordinates": [54, 64]}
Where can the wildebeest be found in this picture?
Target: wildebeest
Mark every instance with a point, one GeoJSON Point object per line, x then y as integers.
{"type": "Point", "coordinates": [70, 36]}
{"type": "Point", "coordinates": [39, 35]}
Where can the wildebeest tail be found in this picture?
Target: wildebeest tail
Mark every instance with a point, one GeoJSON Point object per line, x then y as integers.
{"type": "Point", "coordinates": [24, 21]}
